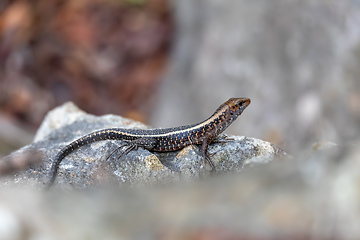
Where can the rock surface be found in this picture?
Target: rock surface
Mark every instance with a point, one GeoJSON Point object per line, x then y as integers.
{"type": "Point", "coordinates": [312, 196]}
{"type": "Point", "coordinates": [88, 166]}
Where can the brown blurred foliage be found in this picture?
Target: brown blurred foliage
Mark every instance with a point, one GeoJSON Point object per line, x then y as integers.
{"type": "Point", "coordinates": [105, 55]}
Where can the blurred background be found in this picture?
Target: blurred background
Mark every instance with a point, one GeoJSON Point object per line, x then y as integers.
{"type": "Point", "coordinates": [105, 56]}
{"type": "Point", "coordinates": [168, 63]}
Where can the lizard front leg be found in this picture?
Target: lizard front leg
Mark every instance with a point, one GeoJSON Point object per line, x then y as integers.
{"type": "Point", "coordinates": [204, 148]}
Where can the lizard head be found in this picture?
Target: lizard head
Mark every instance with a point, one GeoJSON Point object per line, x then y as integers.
{"type": "Point", "coordinates": [229, 111]}
{"type": "Point", "coordinates": [237, 105]}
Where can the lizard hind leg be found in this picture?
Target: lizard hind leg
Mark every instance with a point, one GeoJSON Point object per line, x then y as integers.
{"type": "Point", "coordinates": [140, 142]}
{"type": "Point", "coordinates": [114, 151]}
{"type": "Point", "coordinates": [126, 151]}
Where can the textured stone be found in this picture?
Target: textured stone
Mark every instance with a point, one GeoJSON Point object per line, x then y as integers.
{"type": "Point", "coordinates": [88, 166]}
{"type": "Point", "coordinates": [313, 196]}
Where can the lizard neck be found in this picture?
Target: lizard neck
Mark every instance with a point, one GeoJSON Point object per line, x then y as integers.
{"type": "Point", "coordinates": [219, 120]}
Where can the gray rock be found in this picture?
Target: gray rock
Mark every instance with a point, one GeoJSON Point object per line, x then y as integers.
{"type": "Point", "coordinates": [314, 196]}
{"type": "Point", "coordinates": [89, 166]}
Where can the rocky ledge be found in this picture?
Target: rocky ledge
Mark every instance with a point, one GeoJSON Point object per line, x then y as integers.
{"type": "Point", "coordinates": [89, 166]}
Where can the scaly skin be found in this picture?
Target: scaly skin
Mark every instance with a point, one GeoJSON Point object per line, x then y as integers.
{"type": "Point", "coordinates": [164, 140]}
